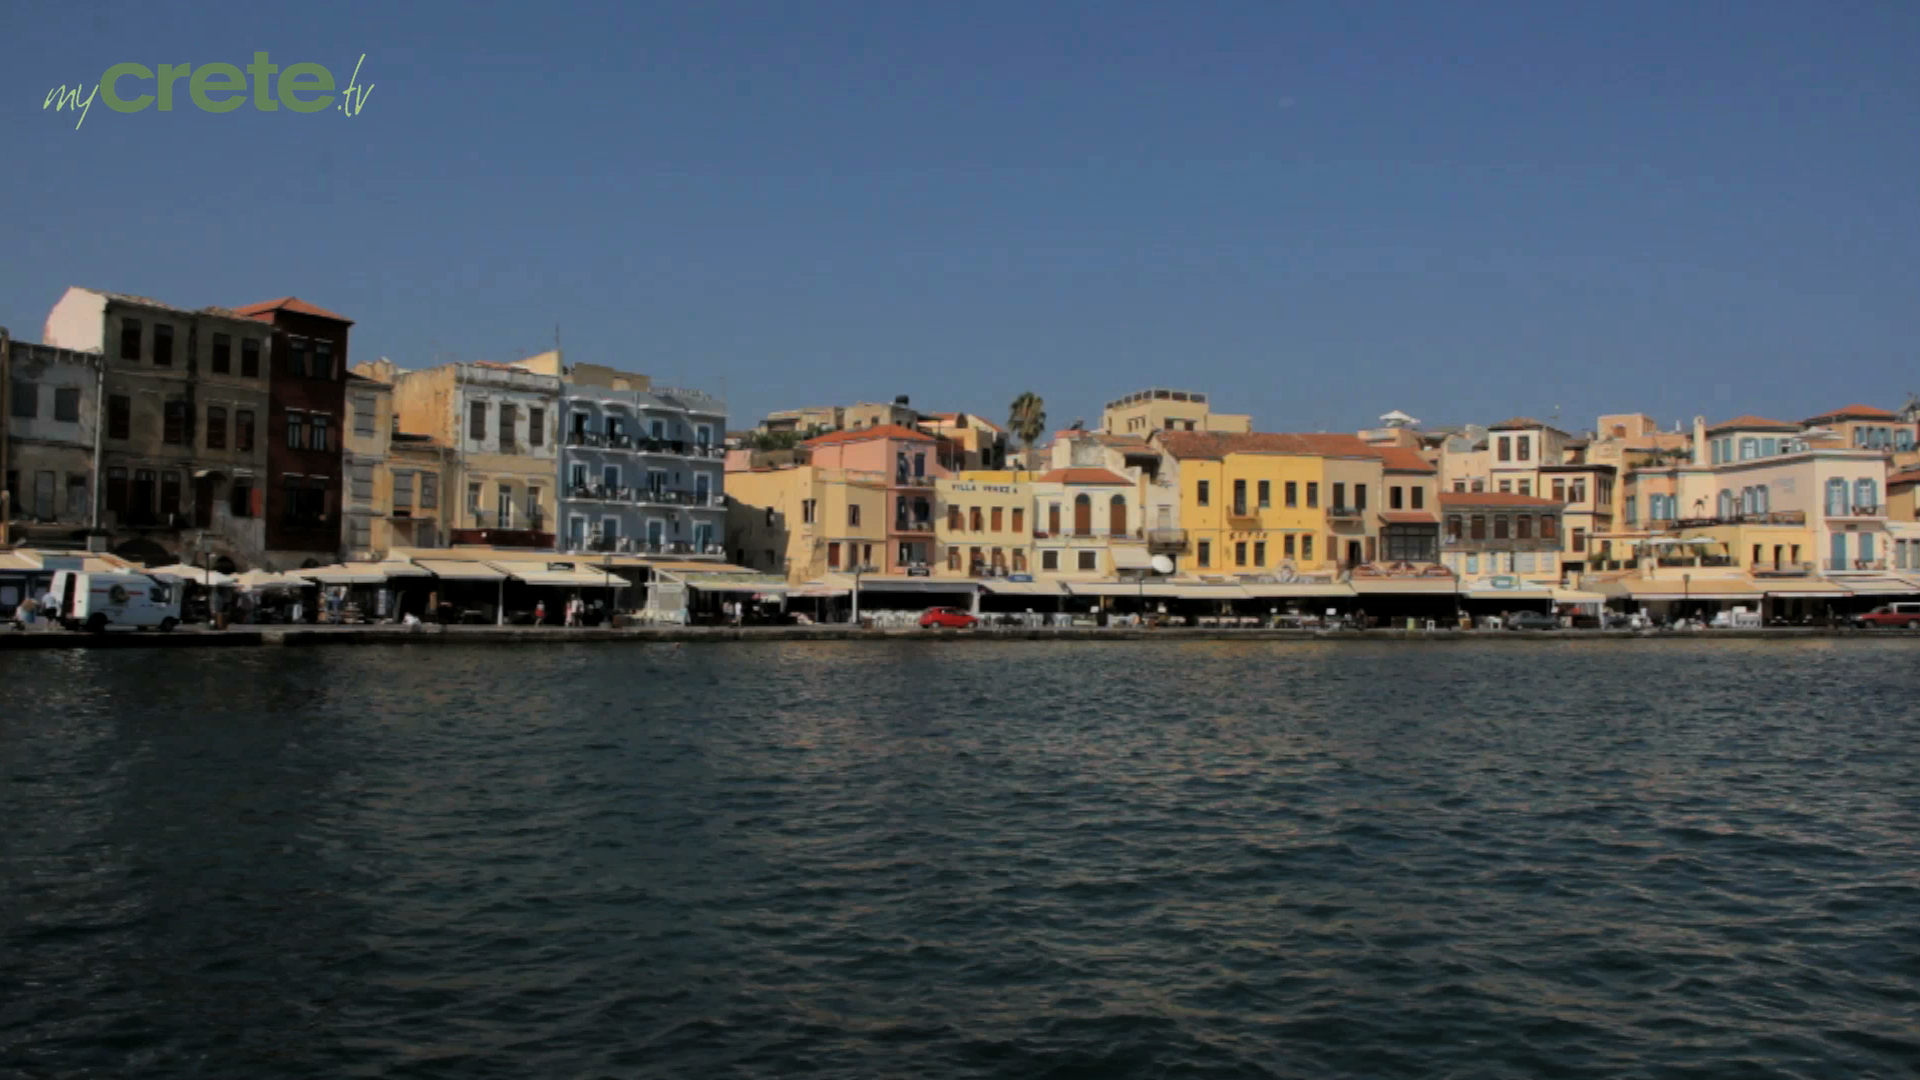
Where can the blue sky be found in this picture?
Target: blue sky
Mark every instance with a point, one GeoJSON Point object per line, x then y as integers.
{"type": "Point", "coordinates": [1315, 211]}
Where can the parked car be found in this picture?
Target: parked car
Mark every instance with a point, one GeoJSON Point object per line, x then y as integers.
{"type": "Point", "coordinates": [1904, 616]}
{"type": "Point", "coordinates": [946, 618]}
{"type": "Point", "coordinates": [1532, 620]}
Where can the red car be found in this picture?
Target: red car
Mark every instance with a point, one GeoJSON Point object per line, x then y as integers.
{"type": "Point", "coordinates": [1904, 616]}
{"type": "Point", "coordinates": [946, 618]}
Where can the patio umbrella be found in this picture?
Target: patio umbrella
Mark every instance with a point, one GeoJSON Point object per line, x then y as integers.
{"type": "Point", "coordinates": [267, 579]}
{"type": "Point", "coordinates": [198, 575]}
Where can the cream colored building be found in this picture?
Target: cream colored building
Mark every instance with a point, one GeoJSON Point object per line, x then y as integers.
{"type": "Point", "coordinates": [804, 522]}
{"type": "Point", "coordinates": [1087, 525]}
{"type": "Point", "coordinates": [500, 421]}
{"type": "Point", "coordinates": [983, 524]}
{"type": "Point", "coordinates": [394, 479]}
{"type": "Point", "coordinates": [1148, 411]}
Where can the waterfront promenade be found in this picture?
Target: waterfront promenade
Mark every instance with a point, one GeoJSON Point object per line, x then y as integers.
{"type": "Point", "coordinates": [275, 636]}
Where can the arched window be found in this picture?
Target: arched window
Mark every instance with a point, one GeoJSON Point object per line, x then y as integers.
{"type": "Point", "coordinates": [1865, 494]}
{"type": "Point", "coordinates": [1836, 497]}
{"type": "Point", "coordinates": [1117, 516]}
{"type": "Point", "coordinates": [1082, 515]}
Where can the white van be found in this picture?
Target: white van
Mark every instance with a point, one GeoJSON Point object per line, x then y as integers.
{"type": "Point", "coordinates": [96, 601]}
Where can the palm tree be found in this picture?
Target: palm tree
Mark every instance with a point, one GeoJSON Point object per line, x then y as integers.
{"type": "Point", "coordinates": [1027, 421]}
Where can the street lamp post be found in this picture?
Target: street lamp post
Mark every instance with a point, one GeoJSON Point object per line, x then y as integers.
{"type": "Point", "coordinates": [1686, 593]}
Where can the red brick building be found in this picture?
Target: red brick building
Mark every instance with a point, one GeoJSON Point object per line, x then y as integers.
{"type": "Point", "coordinates": [306, 413]}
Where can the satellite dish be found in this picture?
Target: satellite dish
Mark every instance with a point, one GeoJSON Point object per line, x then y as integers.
{"type": "Point", "coordinates": [1162, 564]}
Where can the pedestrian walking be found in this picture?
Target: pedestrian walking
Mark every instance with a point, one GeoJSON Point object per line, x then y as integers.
{"type": "Point", "coordinates": [540, 613]}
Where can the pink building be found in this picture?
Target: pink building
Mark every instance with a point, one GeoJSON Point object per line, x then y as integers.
{"type": "Point", "coordinates": [907, 462]}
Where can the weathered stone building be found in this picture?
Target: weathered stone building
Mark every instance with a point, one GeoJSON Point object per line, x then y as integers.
{"type": "Point", "coordinates": [52, 405]}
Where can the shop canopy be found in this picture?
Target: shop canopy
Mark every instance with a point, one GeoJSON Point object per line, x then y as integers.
{"type": "Point", "coordinates": [460, 570]}
{"type": "Point", "coordinates": [198, 575]}
{"type": "Point", "coordinates": [1424, 586]}
{"type": "Point", "coordinates": [344, 574]}
{"type": "Point", "coordinates": [267, 579]}
{"type": "Point", "coordinates": [1709, 589]}
{"type": "Point", "coordinates": [1876, 585]}
{"type": "Point", "coordinates": [1577, 596]}
{"type": "Point", "coordinates": [1002, 587]}
{"type": "Point", "coordinates": [1131, 557]}
{"type": "Point", "coordinates": [903, 583]}
{"type": "Point", "coordinates": [1528, 592]}
{"type": "Point", "coordinates": [747, 582]}
{"type": "Point", "coordinates": [1811, 590]}
{"type": "Point", "coordinates": [563, 575]}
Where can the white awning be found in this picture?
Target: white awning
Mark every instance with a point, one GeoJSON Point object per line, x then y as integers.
{"type": "Point", "coordinates": [1408, 585]}
{"type": "Point", "coordinates": [1000, 587]}
{"type": "Point", "coordinates": [1528, 593]}
{"type": "Point", "coordinates": [342, 574]}
{"type": "Point", "coordinates": [1876, 586]}
{"type": "Point", "coordinates": [1131, 557]}
{"type": "Point", "coordinates": [460, 570]}
{"type": "Point", "coordinates": [198, 575]}
{"type": "Point", "coordinates": [1281, 591]}
{"type": "Point", "coordinates": [562, 577]}
{"type": "Point", "coordinates": [1576, 596]}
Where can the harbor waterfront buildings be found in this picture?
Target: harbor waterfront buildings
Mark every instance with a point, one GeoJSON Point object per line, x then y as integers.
{"type": "Point", "coordinates": [244, 439]}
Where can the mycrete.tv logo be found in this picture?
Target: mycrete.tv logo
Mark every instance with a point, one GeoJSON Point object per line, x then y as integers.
{"type": "Point", "coordinates": [216, 88]}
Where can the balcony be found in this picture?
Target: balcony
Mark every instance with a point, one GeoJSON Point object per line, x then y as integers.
{"type": "Point", "coordinates": [1522, 544]}
{"type": "Point", "coordinates": [636, 546]}
{"type": "Point", "coordinates": [640, 444]}
{"type": "Point", "coordinates": [506, 538]}
{"type": "Point", "coordinates": [1861, 510]}
{"type": "Point", "coordinates": [1772, 517]}
{"type": "Point", "coordinates": [1166, 541]}
{"type": "Point", "coordinates": [1694, 560]}
{"type": "Point", "coordinates": [644, 496]}
{"type": "Point", "coordinates": [913, 525]}
{"type": "Point", "coordinates": [903, 478]}
{"type": "Point", "coordinates": [1345, 513]}
{"type": "Point", "coordinates": [1852, 565]}
{"type": "Point", "coordinates": [1782, 569]}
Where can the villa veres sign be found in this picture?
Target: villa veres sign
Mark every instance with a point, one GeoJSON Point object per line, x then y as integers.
{"type": "Point", "coordinates": [215, 88]}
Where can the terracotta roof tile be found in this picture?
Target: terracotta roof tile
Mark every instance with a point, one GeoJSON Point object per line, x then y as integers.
{"type": "Point", "coordinates": [1854, 412]}
{"type": "Point", "coordinates": [1492, 498]}
{"type": "Point", "coordinates": [880, 431]}
{"type": "Point", "coordinates": [293, 304]}
{"type": "Point", "coordinates": [1085, 476]}
{"type": "Point", "coordinates": [1215, 445]}
{"type": "Point", "coordinates": [1904, 476]}
{"type": "Point", "coordinates": [1750, 422]}
{"type": "Point", "coordinates": [1401, 459]}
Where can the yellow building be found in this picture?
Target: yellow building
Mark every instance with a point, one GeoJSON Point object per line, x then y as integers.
{"type": "Point", "coordinates": [1148, 411]}
{"type": "Point", "coordinates": [394, 479]}
{"type": "Point", "coordinates": [805, 522]}
{"type": "Point", "coordinates": [982, 526]}
{"type": "Point", "coordinates": [1254, 503]}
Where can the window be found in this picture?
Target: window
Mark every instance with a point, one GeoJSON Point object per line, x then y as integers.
{"type": "Point", "coordinates": [1339, 496]}
{"type": "Point", "coordinates": [250, 357]}
{"type": "Point", "coordinates": [361, 477]}
{"type": "Point", "coordinates": [1359, 496]}
{"type": "Point", "coordinates": [503, 505]}
{"type": "Point", "coordinates": [306, 500]}
{"type": "Point", "coordinates": [806, 511]}
{"type": "Point", "coordinates": [1266, 494]}
{"type": "Point", "coordinates": [1313, 495]}
{"type": "Point", "coordinates": [1579, 543]}
{"type": "Point", "coordinates": [429, 491]}
{"type": "Point", "coordinates": [1293, 494]}
{"type": "Point", "coordinates": [853, 515]}
{"type": "Point", "coordinates": [975, 521]}
{"type": "Point", "coordinates": [1393, 497]}
{"type": "Point", "coordinates": [1053, 518]}
{"type": "Point", "coordinates": [477, 421]}
{"type": "Point", "coordinates": [1240, 497]}
{"type": "Point", "coordinates": [297, 357]}
{"type": "Point", "coordinates": [363, 409]}
{"type": "Point", "coordinates": [1526, 487]}
{"type": "Point", "coordinates": [1633, 509]}
{"type": "Point", "coordinates": [169, 493]}
{"type": "Point", "coordinates": [1749, 448]}
{"type": "Point", "coordinates": [509, 418]}
{"type": "Point", "coordinates": [1500, 527]}
{"type": "Point", "coordinates": [216, 427]}
{"type": "Point", "coordinates": [1479, 525]}
{"type": "Point", "coordinates": [1548, 526]}
{"type": "Point", "coordinates": [1019, 561]}
{"type": "Point", "coordinates": [296, 431]}
{"type": "Point", "coordinates": [240, 499]}
{"type": "Point", "coordinates": [1019, 519]}
{"type": "Point", "coordinates": [1559, 489]}
{"type": "Point", "coordinates": [162, 345]}
{"type": "Point", "coordinates": [1206, 552]}
{"type": "Point", "coordinates": [1286, 550]}
{"type": "Point", "coordinates": [1506, 448]}
{"type": "Point", "coordinates": [1473, 564]}
{"type": "Point", "coordinates": [956, 519]}
{"type": "Point", "coordinates": [1306, 548]}
{"type": "Point", "coordinates": [1506, 486]}
{"type": "Point", "coordinates": [1578, 492]}
{"type": "Point", "coordinates": [536, 427]}
{"type": "Point", "coordinates": [473, 497]}
{"type": "Point", "coordinates": [1836, 497]}
{"type": "Point", "coordinates": [1089, 560]}
{"type": "Point", "coordinates": [66, 404]}
{"type": "Point", "coordinates": [243, 429]}
{"type": "Point", "coordinates": [402, 490]}
{"type": "Point", "coordinates": [1240, 553]}
{"type": "Point", "coordinates": [1866, 496]}
{"type": "Point", "coordinates": [1419, 498]}
{"type": "Point", "coordinates": [77, 495]}
{"type": "Point", "coordinates": [119, 416]}
{"type": "Point", "coordinates": [998, 518]}
{"type": "Point", "coordinates": [26, 400]}
{"type": "Point", "coordinates": [1524, 446]}
{"type": "Point", "coordinates": [833, 557]}
{"type": "Point", "coordinates": [1523, 527]}
{"type": "Point", "coordinates": [176, 423]}
{"type": "Point", "coordinates": [322, 359]}
{"type": "Point", "coordinates": [1204, 492]}
{"type": "Point", "coordinates": [1082, 515]}
{"type": "Point", "coordinates": [117, 490]}
{"type": "Point", "coordinates": [610, 477]}
{"type": "Point", "coordinates": [1259, 553]}
{"type": "Point", "coordinates": [129, 339]}
{"type": "Point", "coordinates": [1454, 523]}
{"type": "Point", "coordinates": [43, 495]}
{"type": "Point", "coordinates": [222, 354]}
{"type": "Point", "coordinates": [1049, 560]}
